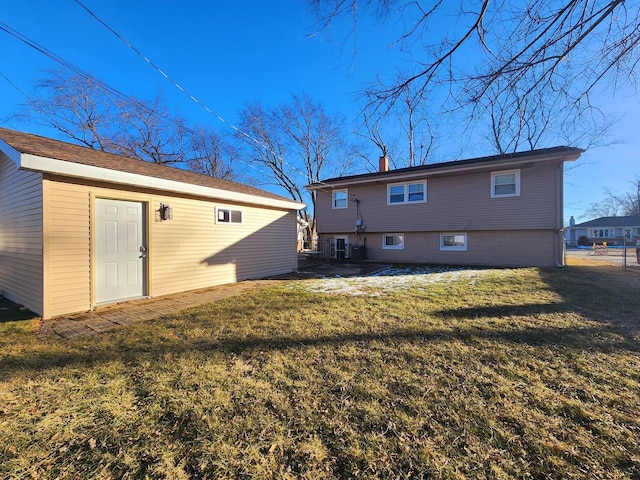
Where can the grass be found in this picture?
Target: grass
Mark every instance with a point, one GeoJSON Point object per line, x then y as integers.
{"type": "Point", "coordinates": [522, 373]}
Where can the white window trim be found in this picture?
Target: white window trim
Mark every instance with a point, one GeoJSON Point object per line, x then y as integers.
{"type": "Point", "coordinates": [454, 248]}
{"type": "Point", "coordinates": [505, 172]}
{"type": "Point", "coordinates": [333, 198]}
{"type": "Point", "coordinates": [405, 185]}
{"type": "Point", "coordinates": [222, 222]}
{"type": "Point", "coordinates": [392, 247]}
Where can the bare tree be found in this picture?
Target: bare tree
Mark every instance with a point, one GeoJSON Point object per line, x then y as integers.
{"type": "Point", "coordinates": [147, 130]}
{"type": "Point", "coordinates": [604, 208]}
{"type": "Point", "coordinates": [513, 122]}
{"type": "Point", "coordinates": [83, 110]}
{"type": "Point", "coordinates": [412, 115]}
{"type": "Point", "coordinates": [211, 155]}
{"type": "Point", "coordinates": [298, 143]}
{"type": "Point", "coordinates": [516, 53]}
{"type": "Point", "coordinates": [631, 200]}
{"type": "Point", "coordinates": [410, 132]}
{"type": "Point", "coordinates": [614, 204]}
{"type": "Point", "coordinates": [370, 130]}
{"type": "Point", "coordinates": [75, 106]}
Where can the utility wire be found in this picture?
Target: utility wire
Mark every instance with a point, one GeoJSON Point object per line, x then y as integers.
{"type": "Point", "coordinates": [190, 96]}
{"type": "Point", "coordinates": [15, 86]}
{"type": "Point", "coordinates": [67, 64]}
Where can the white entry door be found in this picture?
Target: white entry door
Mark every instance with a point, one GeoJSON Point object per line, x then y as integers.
{"type": "Point", "coordinates": [120, 250]}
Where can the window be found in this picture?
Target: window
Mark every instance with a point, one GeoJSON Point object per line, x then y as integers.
{"type": "Point", "coordinates": [225, 215]}
{"type": "Point", "coordinates": [505, 184]}
{"type": "Point", "coordinates": [339, 199]}
{"type": "Point", "coordinates": [393, 241]}
{"type": "Point", "coordinates": [401, 193]}
{"type": "Point", "coordinates": [453, 241]}
{"type": "Point", "coordinates": [602, 233]}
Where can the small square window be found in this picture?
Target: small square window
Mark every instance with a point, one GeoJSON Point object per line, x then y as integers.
{"type": "Point", "coordinates": [453, 241]}
{"type": "Point", "coordinates": [236, 216]}
{"type": "Point", "coordinates": [505, 184]}
{"type": "Point", "coordinates": [339, 199]}
{"type": "Point", "coordinates": [393, 241]}
{"type": "Point", "coordinates": [223, 215]}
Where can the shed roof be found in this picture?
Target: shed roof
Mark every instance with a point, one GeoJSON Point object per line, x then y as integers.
{"type": "Point", "coordinates": [611, 222]}
{"type": "Point", "coordinates": [506, 160]}
{"type": "Point", "coordinates": [30, 144]}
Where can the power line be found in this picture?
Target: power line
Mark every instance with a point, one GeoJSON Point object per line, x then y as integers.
{"type": "Point", "coordinates": [191, 96]}
{"type": "Point", "coordinates": [69, 65]}
{"type": "Point", "coordinates": [15, 86]}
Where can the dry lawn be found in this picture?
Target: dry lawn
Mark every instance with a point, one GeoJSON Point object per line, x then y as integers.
{"type": "Point", "coordinates": [521, 373]}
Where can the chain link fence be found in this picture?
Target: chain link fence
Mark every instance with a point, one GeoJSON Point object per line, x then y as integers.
{"type": "Point", "coordinates": [603, 256]}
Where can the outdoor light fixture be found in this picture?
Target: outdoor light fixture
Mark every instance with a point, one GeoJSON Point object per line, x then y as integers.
{"type": "Point", "coordinates": [166, 213]}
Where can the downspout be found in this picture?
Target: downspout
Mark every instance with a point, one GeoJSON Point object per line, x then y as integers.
{"type": "Point", "coordinates": [559, 253]}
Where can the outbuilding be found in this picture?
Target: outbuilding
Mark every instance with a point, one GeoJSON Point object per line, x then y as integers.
{"type": "Point", "coordinates": [80, 228]}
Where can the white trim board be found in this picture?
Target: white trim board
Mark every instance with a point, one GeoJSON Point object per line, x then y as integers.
{"type": "Point", "coordinates": [78, 170]}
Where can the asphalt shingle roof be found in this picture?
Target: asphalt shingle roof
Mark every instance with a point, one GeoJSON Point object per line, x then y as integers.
{"type": "Point", "coordinates": [611, 222]}
{"type": "Point", "coordinates": [559, 151]}
{"type": "Point", "coordinates": [28, 143]}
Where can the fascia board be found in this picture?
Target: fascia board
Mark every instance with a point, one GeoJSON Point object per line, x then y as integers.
{"type": "Point", "coordinates": [90, 172]}
{"type": "Point", "coordinates": [445, 170]}
{"type": "Point", "coordinates": [10, 152]}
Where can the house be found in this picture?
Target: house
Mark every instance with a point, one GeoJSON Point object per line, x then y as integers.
{"type": "Point", "coordinates": [498, 210]}
{"type": "Point", "coordinates": [80, 228]}
{"type": "Point", "coordinates": [604, 229]}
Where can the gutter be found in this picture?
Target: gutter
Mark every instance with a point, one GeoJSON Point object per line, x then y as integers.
{"type": "Point", "coordinates": [380, 177]}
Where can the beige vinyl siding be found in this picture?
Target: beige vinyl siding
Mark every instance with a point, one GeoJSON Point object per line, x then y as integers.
{"type": "Point", "coordinates": [68, 274]}
{"type": "Point", "coordinates": [193, 251]}
{"type": "Point", "coordinates": [459, 202]}
{"type": "Point", "coordinates": [498, 248]}
{"type": "Point", "coordinates": [21, 268]}
{"type": "Point", "coordinates": [188, 252]}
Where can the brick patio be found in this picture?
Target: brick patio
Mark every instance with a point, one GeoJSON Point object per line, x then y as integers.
{"type": "Point", "coordinates": [113, 316]}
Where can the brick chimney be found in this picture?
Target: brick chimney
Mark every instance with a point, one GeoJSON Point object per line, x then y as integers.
{"type": "Point", "coordinates": [384, 164]}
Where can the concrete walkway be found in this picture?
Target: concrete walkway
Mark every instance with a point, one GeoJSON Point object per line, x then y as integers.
{"type": "Point", "coordinates": [113, 316]}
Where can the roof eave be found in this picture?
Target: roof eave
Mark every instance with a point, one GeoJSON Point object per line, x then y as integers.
{"type": "Point", "coordinates": [568, 156]}
{"type": "Point", "coordinates": [90, 172]}
{"type": "Point", "coordinates": [9, 151]}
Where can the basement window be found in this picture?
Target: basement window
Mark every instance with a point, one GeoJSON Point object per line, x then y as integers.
{"type": "Point", "coordinates": [393, 241]}
{"type": "Point", "coordinates": [453, 241]}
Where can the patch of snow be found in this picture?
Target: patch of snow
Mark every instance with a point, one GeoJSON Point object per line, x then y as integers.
{"type": "Point", "coordinates": [393, 279]}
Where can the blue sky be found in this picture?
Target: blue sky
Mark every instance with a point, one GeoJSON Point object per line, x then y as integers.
{"type": "Point", "coordinates": [228, 54]}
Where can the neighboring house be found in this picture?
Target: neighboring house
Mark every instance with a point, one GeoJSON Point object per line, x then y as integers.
{"type": "Point", "coordinates": [80, 228]}
{"type": "Point", "coordinates": [604, 229]}
{"type": "Point", "coordinates": [303, 225]}
{"type": "Point", "coordinates": [498, 210]}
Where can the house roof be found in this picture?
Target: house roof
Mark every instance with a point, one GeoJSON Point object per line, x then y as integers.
{"type": "Point", "coordinates": [504, 160]}
{"type": "Point", "coordinates": [33, 152]}
{"type": "Point", "coordinates": [611, 222]}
